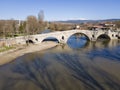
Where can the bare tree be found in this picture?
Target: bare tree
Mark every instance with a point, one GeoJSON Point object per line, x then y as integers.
{"type": "Point", "coordinates": [42, 24]}
{"type": "Point", "coordinates": [32, 25]}
{"type": "Point", "coordinates": [41, 16]}
{"type": "Point", "coordinates": [2, 22]}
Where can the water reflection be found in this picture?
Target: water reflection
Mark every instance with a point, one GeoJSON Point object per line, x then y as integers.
{"type": "Point", "coordinates": [76, 42]}
{"type": "Point", "coordinates": [113, 54]}
{"type": "Point", "coordinates": [88, 66]}
{"type": "Point", "coordinates": [81, 42]}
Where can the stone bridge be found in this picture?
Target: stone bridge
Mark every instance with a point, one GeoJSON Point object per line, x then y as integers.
{"type": "Point", "coordinates": [63, 36]}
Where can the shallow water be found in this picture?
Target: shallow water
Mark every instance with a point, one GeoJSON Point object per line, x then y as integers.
{"type": "Point", "coordinates": [80, 65]}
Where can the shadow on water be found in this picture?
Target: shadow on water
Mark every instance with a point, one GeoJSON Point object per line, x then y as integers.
{"type": "Point", "coordinates": [35, 71]}
{"type": "Point", "coordinates": [78, 71]}
{"type": "Point", "coordinates": [110, 83]}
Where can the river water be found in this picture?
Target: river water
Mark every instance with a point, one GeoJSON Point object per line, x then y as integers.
{"type": "Point", "coordinates": [78, 65]}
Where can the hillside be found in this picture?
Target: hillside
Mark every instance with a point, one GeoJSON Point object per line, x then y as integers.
{"type": "Point", "coordinates": [88, 21]}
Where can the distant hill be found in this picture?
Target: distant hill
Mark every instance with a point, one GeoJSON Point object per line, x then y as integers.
{"type": "Point", "coordinates": [87, 21]}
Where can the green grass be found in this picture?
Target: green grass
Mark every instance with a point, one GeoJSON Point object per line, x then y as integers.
{"type": "Point", "coordinates": [6, 48]}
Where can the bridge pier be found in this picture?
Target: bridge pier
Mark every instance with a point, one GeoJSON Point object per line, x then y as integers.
{"type": "Point", "coordinates": [62, 40]}
{"type": "Point", "coordinates": [93, 39]}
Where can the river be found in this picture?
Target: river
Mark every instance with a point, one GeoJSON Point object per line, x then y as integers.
{"type": "Point", "coordinates": [78, 65]}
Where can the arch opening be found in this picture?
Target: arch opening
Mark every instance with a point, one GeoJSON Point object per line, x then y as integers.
{"type": "Point", "coordinates": [103, 37]}
{"type": "Point", "coordinates": [77, 40]}
{"type": "Point", "coordinates": [29, 41]}
{"type": "Point", "coordinates": [79, 36]}
{"type": "Point", "coordinates": [50, 39]}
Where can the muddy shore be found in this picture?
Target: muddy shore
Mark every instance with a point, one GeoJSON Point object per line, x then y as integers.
{"type": "Point", "coordinates": [19, 51]}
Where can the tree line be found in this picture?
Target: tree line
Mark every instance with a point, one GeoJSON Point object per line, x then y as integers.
{"type": "Point", "coordinates": [32, 25]}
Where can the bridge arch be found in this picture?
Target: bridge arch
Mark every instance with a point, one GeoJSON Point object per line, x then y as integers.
{"type": "Point", "coordinates": [80, 33]}
{"type": "Point", "coordinates": [50, 39]}
{"type": "Point", "coordinates": [29, 41]}
{"type": "Point", "coordinates": [103, 36]}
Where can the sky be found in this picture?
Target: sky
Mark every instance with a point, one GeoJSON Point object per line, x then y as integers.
{"type": "Point", "coordinates": [60, 9]}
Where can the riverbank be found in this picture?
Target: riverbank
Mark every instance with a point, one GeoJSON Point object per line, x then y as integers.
{"type": "Point", "coordinates": [21, 50]}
